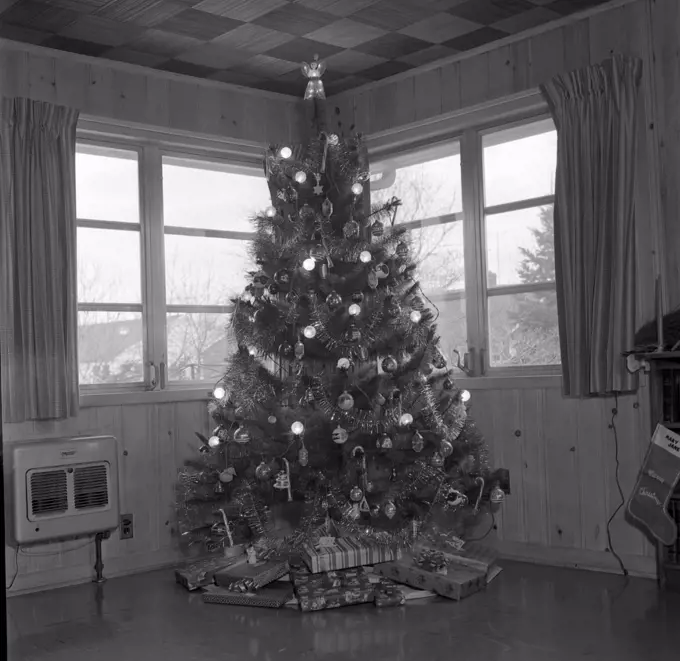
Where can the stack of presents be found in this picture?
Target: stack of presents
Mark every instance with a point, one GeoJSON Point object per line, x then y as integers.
{"type": "Point", "coordinates": [342, 572]}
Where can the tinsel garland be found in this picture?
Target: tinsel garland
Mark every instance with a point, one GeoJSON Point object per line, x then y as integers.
{"type": "Point", "coordinates": [449, 432]}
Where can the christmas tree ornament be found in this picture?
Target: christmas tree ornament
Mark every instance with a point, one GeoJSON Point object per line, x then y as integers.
{"type": "Point", "coordinates": [345, 401]}
{"type": "Point", "coordinates": [384, 442]}
{"type": "Point", "coordinates": [333, 300]}
{"type": "Point", "coordinates": [365, 257]}
{"type": "Point", "coordinates": [480, 481]}
{"type": "Point", "coordinates": [263, 471]}
{"type": "Point", "coordinates": [356, 494]}
{"type": "Point", "coordinates": [327, 208]}
{"type": "Point", "coordinates": [354, 310]}
{"type": "Point", "coordinates": [358, 297]}
{"type": "Point", "coordinates": [318, 188]}
{"type": "Point", "coordinates": [496, 495]}
{"type": "Point", "coordinates": [219, 392]}
{"type": "Point", "coordinates": [339, 435]}
{"type": "Point", "coordinates": [282, 277]}
{"type": "Point", "coordinates": [219, 488]}
{"type": "Point", "coordinates": [437, 460]}
{"type": "Point", "coordinates": [313, 72]}
{"type": "Point", "coordinates": [351, 229]}
{"type": "Point", "coordinates": [417, 442]}
{"type": "Point", "coordinates": [273, 289]}
{"type": "Point", "coordinates": [447, 384]}
{"type": "Point", "coordinates": [317, 252]}
{"type": "Point", "coordinates": [213, 441]}
{"type": "Point", "coordinates": [285, 152]}
{"type": "Point", "coordinates": [283, 480]}
{"type": "Point", "coordinates": [417, 303]}
{"type": "Point", "coordinates": [455, 498]}
{"type": "Point", "coordinates": [370, 487]}
{"type": "Point", "coordinates": [297, 428]}
{"type": "Point", "coordinates": [260, 279]}
{"type": "Point", "coordinates": [390, 509]}
{"type": "Point", "coordinates": [323, 270]}
{"type": "Point", "coordinates": [375, 511]}
{"type": "Point", "coordinates": [353, 334]}
{"type": "Point", "coordinates": [227, 475]}
{"type": "Point", "coordinates": [363, 353]}
{"type": "Point", "coordinates": [427, 369]}
{"type": "Point", "coordinates": [357, 188]}
{"type": "Point", "coordinates": [445, 448]}
{"type": "Point", "coordinates": [306, 213]}
{"type": "Point", "coordinates": [292, 297]}
{"type": "Point", "coordinates": [300, 177]}
{"type": "Point", "coordinates": [377, 229]}
{"type": "Point", "coordinates": [309, 332]}
{"type": "Point", "coordinates": [389, 364]}
{"type": "Point", "coordinates": [286, 349]}
{"type": "Point", "coordinates": [344, 364]}
{"type": "Point", "coordinates": [270, 212]}
{"type": "Point", "coordinates": [309, 264]}
{"type": "Point", "coordinates": [405, 419]}
{"type": "Point", "coordinates": [382, 270]}
{"type": "Point", "coordinates": [364, 506]}
{"type": "Point", "coordinates": [299, 350]}
{"type": "Point", "coordinates": [372, 279]}
{"type": "Point", "coordinates": [271, 419]}
{"type": "Point", "coordinates": [242, 435]}
{"type": "Point", "coordinates": [465, 395]}
{"type": "Point", "coordinates": [332, 139]}
{"type": "Point", "coordinates": [402, 250]}
{"type": "Point", "coordinates": [303, 456]}
{"type": "Point", "coordinates": [438, 360]}
{"type": "Point", "coordinates": [380, 399]}
{"type": "Point", "coordinates": [415, 316]}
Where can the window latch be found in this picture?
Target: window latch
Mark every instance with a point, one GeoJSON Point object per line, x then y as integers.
{"type": "Point", "coordinates": [153, 382]}
{"type": "Point", "coordinates": [163, 376]}
{"type": "Point", "coordinates": [464, 364]}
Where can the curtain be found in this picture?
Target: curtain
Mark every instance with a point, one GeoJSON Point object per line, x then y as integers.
{"type": "Point", "coordinates": [38, 308]}
{"type": "Point", "coordinates": [595, 113]}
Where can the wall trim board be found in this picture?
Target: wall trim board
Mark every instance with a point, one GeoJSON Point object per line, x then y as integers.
{"type": "Point", "coordinates": [60, 577]}
{"type": "Point", "coordinates": [145, 397]}
{"type": "Point", "coordinates": [639, 566]}
{"type": "Point", "coordinates": [138, 69]}
{"type": "Point", "coordinates": [491, 46]}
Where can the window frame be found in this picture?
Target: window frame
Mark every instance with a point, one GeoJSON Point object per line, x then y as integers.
{"type": "Point", "coordinates": [419, 143]}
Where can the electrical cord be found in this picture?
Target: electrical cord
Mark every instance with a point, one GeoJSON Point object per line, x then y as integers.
{"type": "Point", "coordinates": [16, 569]}
{"type": "Point", "coordinates": [612, 426]}
{"type": "Point", "coordinates": [488, 532]}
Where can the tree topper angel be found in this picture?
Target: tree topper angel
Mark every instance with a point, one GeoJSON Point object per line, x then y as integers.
{"type": "Point", "coordinates": [314, 70]}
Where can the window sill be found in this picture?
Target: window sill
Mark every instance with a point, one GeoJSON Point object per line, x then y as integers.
{"type": "Point", "coordinates": [510, 381]}
{"type": "Point", "coordinates": [130, 397]}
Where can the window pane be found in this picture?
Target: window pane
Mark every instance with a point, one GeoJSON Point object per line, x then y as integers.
{"type": "Point", "coordinates": [204, 271]}
{"type": "Point", "coordinates": [109, 266]}
{"type": "Point", "coordinates": [519, 163]}
{"type": "Point", "coordinates": [438, 251]}
{"type": "Point", "coordinates": [107, 184]}
{"type": "Point", "coordinates": [426, 190]}
{"type": "Point", "coordinates": [520, 247]}
{"type": "Point", "coordinates": [198, 345]}
{"type": "Point", "coordinates": [205, 197]}
{"type": "Point", "coordinates": [523, 329]}
{"type": "Point", "coordinates": [110, 347]}
{"type": "Point", "coordinates": [452, 327]}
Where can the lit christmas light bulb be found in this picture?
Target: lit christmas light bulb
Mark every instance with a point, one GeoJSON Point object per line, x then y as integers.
{"type": "Point", "coordinates": [270, 212]}
{"type": "Point", "coordinates": [415, 316]}
{"type": "Point", "coordinates": [213, 441]}
{"type": "Point", "coordinates": [357, 188]}
{"type": "Point", "coordinates": [219, 392]}
{"type": "Point", "coordinates": [465, 395]}
{"type": "Point", "coordinates": [406, 419]}
{"type": "Point", "coordinates": [252, 351]}
{"type": "Point", "coordinates": [308, 264]}
{"type": "Point", "coordinates": [285, 152]}
{"type": "Point", "coordinates": [297, 428]}
{"type": "Point", "coordinates": [300, 177]}
{"type": "Point", "coordinates": [365, 256]}
{"type": "Point", "coordinates": [309, 332]}
{"type": "Point", "coordinates": [354, 310]}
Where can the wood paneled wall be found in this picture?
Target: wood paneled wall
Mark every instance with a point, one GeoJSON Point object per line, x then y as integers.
{"type": "Point", "coordinates": [129, 93]}
{"type": "Point", "coordinates": [154, 441]}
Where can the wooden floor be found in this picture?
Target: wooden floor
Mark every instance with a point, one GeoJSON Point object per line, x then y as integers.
{"type": "Point", "coordinates": [529, 613]}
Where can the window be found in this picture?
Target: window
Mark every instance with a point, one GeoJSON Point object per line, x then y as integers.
{"type": "Point", "coordinates": [483, 232]}
{"type": "Point", "coordinates": [161, 253]}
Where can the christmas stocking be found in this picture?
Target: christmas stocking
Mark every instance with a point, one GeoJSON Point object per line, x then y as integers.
{"type": "Point", "coordinates": [655, 485]}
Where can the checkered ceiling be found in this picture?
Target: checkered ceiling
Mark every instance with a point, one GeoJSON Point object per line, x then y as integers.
{"type": "Point", "coordinates": [261, 43]}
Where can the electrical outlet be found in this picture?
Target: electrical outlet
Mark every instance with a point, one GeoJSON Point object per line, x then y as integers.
{"type": "Point", "coordinates": [126, 526]}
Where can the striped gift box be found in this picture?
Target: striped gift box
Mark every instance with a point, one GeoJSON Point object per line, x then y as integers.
{"type": "Point", "coordinates": [347, 552]}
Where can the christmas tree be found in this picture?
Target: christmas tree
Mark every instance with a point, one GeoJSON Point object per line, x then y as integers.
{"type": "Point", "coordinates": [337, 413]}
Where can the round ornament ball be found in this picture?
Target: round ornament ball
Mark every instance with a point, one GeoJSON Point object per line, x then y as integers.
{"type": "Point", "coordinates": [242, 435]}
{"type": "Point", "coordinates": [377, 229]}
{"type": "Point", "coordinates": [497, 495]}
{"type": "Point", "coordinates": [227, 475]}
{"type": "Point", "coordinates": [263, 471]}
{"type": "Point", "coordinates": [402, 250]}
{"type": "Point", "coordinates": [389, 364]}
{"type": "Point", "coordinates": [286, 349]}
{"type": "Point", "coordinates": [282, 277]}
{"type": "Point", "coordinates": [356, 494]}
{"type": "Point", "coordinates": [273, 289]}
{"type": "Point", "coordinates": [382, 270]}
{"type": "Point", "coordinates": [339, 435]}
{"type": "Point", "coordinates": [446, 448]}
{"type": "Point", "coordinates": [358, 297]}
{"type": "Point", "coordinates": [333, 300]}
{"type": "Point", "coordinates": [390, 509]}
{"type": "Point", "coordinates": [303, 456]}
{"type": "Point", "coordinates": [271, 419]}
{"type": "Point", "coordinates": [417, 442]}
{"type": "Point", "coordinates": [345, 401]}
{"type": "Point", "coordinates": [332, 139]}
{"type": "Point", "coordinates": [351, 229]}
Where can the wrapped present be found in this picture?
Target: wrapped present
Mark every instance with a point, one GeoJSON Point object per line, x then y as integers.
{"type": "Point", "coordinates": [345, 553]}
{"type": "Point", "coordinates": [274, 595]}
{"type": "Point", "coordinates": [457, 583]}
{"type": "Point", "coordinates": [306, 583]}
{"type": "Point", "coordinates": [466, 554]}
{"type": "Point", "coordinates": [247, 577]}
{"type": "Point", "coordinates": [431, 560]}
{"type": "Point", "coordinates": [388, 593]}
{"type": "Point", "coordinates": [201, 572]}
{"type": "Point", "coordinates": [336, 598]}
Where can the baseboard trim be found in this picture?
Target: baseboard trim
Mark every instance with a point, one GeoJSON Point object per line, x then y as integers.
{"type": "Point", "coordinates": [637, 565]}
{"type": "Point", "coordinates": [113, 567]}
